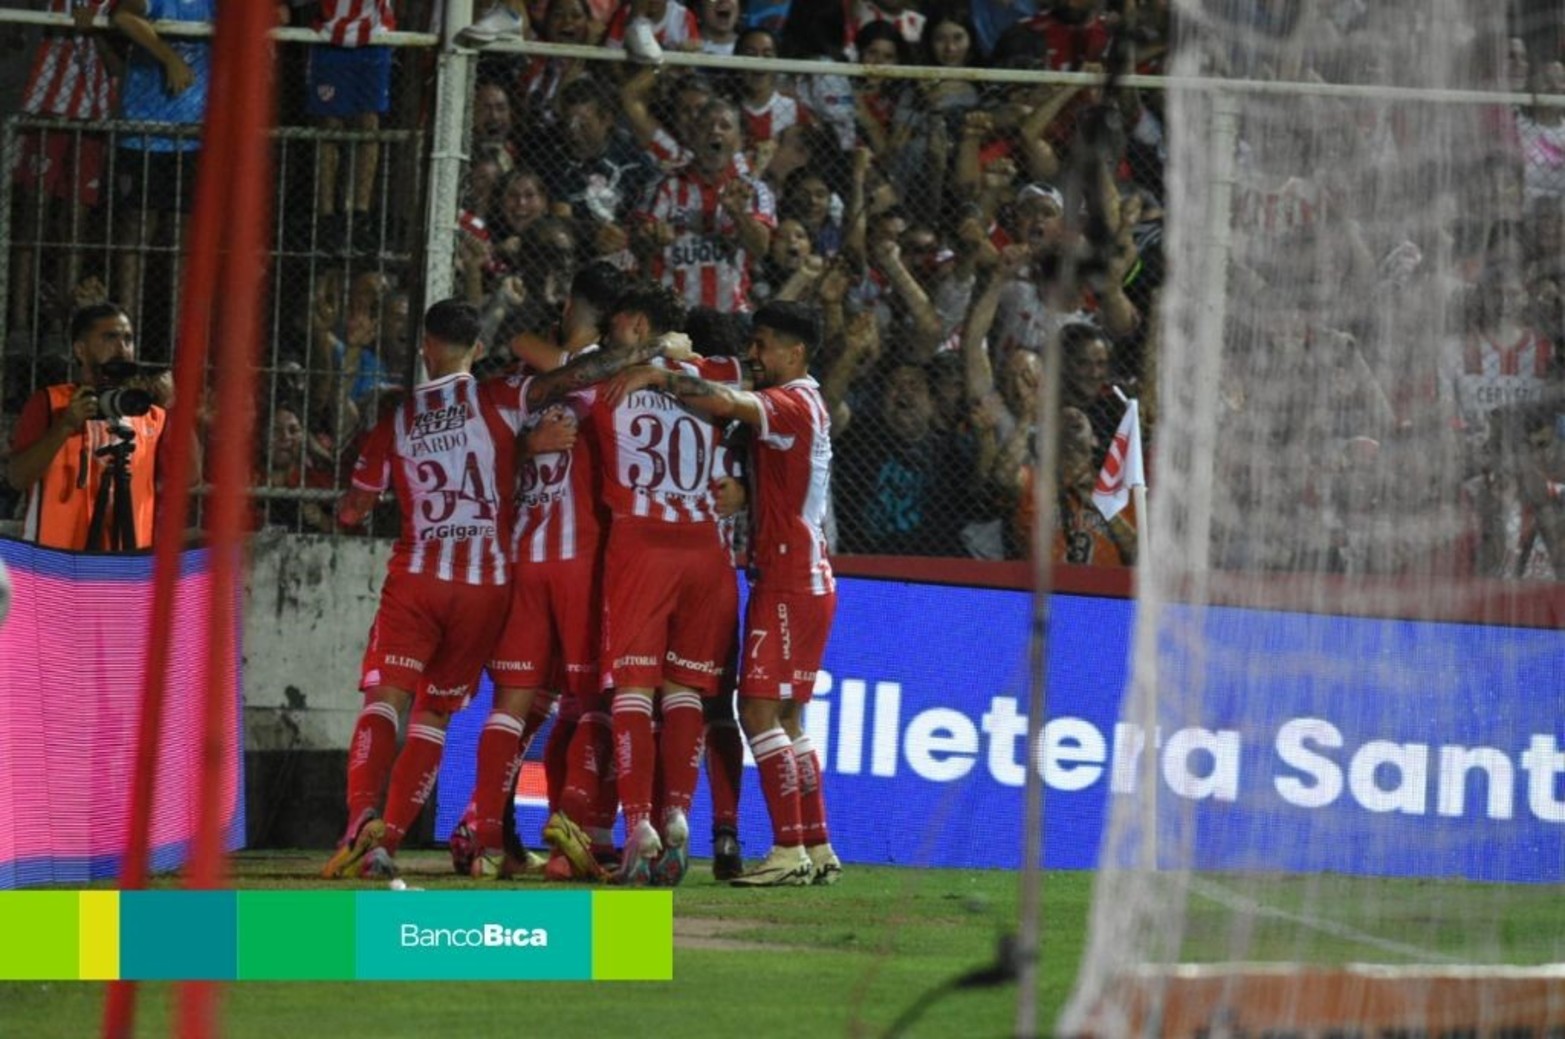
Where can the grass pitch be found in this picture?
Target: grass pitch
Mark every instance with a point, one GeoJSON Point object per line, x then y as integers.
{"type": "Point", "coordinates": [839, 961]}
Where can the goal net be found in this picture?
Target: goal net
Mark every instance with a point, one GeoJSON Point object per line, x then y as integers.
{"type": "Point", "coordinates": [1348, 819]}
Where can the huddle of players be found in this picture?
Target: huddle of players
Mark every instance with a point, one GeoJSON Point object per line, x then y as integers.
{"type": "Point", "coordinates": [565, 528]}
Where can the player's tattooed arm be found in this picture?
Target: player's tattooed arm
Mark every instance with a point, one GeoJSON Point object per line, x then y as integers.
{"type": "Point", "coordinates": [586, 369]}
{"type": "Point", "coordinates": [712, 399]}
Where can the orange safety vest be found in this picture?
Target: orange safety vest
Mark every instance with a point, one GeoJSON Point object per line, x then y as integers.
{"type": "Point", "coordinates": [59, 512]}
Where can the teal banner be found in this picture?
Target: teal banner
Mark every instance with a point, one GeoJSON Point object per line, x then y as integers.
{"type": "Point", "coordinates": [474, 936]}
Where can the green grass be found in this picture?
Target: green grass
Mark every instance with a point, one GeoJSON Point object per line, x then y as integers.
{"type": "Point", "coordinates": [1377, 919]}
{"type": "Point", "coordinates": [839, 961]}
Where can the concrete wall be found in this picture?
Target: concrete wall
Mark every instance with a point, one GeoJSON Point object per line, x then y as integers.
{"type": "Point", "coordinates": [308, 609]}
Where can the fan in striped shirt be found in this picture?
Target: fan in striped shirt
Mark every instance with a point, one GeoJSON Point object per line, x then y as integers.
{"type": "Point", "coordinates": [702, 224]}
{"type": "Point", "coordinates": [69, 79]}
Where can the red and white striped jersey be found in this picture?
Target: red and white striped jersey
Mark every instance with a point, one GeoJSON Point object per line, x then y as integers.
{"type": "Point", "coordinates": [559, 506]}
{"type": "Point", "coordinates": [791, 480]}
{"type": "Point", "coordinates": [678, 25]}
{"type": "Point", "coordinates": [666, 151]}
{"type": "Point", "coordinates": [449, 452]}
{"type": "Point", "coordinates": [705, 262]}
{"type": "Point", "coordinates": [669, 155]}
{"type": "Point", "coordinates": [768, 121]}
{"type": "Point", "coordinates": [1494, 376]}
{"type": "Point", "coordinates": [350, 23]}
{"type": "Point", "coordinates": [69, 79]}
{"type": "Point", "coordinates": [658, 458]}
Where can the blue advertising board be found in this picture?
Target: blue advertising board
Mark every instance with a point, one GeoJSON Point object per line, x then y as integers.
{"type": "Point", "coordinates": [920, 722]}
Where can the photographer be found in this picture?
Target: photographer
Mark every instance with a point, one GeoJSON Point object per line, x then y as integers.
{"type": "Point", "coordinates": [85, 453]}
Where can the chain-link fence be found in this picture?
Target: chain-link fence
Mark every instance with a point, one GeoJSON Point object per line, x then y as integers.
{"type": "Point", "coordinates": [921, 215]}
{"type": "Point", "coordinates": [950, 221]}
{"type": "Point", "coordinates": [98, 209]}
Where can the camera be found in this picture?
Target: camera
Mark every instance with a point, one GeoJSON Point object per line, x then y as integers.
{"type": "Point", "coordinates": [119, 401]}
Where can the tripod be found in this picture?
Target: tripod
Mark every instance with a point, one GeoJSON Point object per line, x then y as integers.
{"type": "Point", "coordinates": [121, 533]}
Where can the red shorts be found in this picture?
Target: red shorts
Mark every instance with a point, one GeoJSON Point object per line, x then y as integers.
{"type": "Point", "coordinates": [67, 165]}
{"type": "Point", "coordinates": [551, 638]}
{"type": "Point", "coordinates": [670, 606]}
{"type": "Point", "coordinates": [432, 638]}
{"type": "Point", "coordinates": [784, 640]}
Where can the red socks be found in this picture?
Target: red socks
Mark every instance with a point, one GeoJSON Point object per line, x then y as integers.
{"type": "Point", "coordinates": [773, 753]}
{"type": "Point", "coordinates": [370, 755]}
{"type": "Point", "coordinates": [812, 805]}
{"type": "Point", "coordinates": [588, 757]}
{"type": "Point", "coordinates": [634, 756]}
{"type": "Point", "coordinates": [499, 754]}
{"type": "Point", "coordinates": [412, 780]}
{"type": "Point", "coordinates": [679, 749]}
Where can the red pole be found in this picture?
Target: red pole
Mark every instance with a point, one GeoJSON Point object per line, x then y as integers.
{"type": "Point", "coordinates": [244, 50]}
{"type": "Point", "coordinates": [179, 463]}
{"type": "Point", "coordinates": [174, 506]}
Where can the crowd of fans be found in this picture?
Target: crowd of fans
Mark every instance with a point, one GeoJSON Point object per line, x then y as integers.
{"type": "Point", "coordinates": [952, 231]}
{"type": "Point", "coordinates": [926, 217]}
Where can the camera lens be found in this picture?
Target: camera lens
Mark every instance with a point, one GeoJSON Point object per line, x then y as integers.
{"type": "Point", "coordinates": [123, 402]}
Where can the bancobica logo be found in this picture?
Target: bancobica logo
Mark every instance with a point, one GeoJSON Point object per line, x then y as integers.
{"type": "Point", "coordinates": [485, 936]}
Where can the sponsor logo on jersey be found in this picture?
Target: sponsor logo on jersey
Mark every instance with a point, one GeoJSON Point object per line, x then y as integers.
{"type": "Point", "coordinates": [441, 420]}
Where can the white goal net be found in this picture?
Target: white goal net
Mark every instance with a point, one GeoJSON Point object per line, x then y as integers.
{"type": "Point", "coordinates": [1348, 627]}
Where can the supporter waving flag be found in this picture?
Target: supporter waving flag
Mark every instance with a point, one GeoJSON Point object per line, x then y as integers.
{"type": "Point", "coordinates": [1123, 468]}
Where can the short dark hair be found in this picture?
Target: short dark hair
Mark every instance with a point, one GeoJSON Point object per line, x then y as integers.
{"type": "Point", "coordinates": [664, 308]}
{"type": "Point", "coordinates": [85, 317]}
{"type": "Point", "coordinates": [598, 285]}
{"type": "Point", "coordinates": [1019, 47]}
{"type": "Point", "coordinates": [454, 322]}
{"type": "Point", "coordinates": [1075, 335]}
{"type": "Point", "coordinates": [755, 30]}
{"type": "Point", "coordinates": [800, 321]}
{"type": "Point", "coordinates": [880, 29]}
{"type": "Point", "coordinates": [716, 334]}
{"type": "Point", "coordinates": [586, 90]}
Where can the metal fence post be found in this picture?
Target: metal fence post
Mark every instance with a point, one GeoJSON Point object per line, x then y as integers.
{"type": "Point", "coordinates": [448, 151]}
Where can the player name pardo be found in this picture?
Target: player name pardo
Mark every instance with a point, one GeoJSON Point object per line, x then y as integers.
{"type": "Point", "coordinates": [1311, 762]}
{"type": "Point", "coordinates": [486, 936]}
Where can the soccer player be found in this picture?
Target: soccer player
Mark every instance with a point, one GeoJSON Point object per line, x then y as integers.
{"type": "Point", "coordinates": [557, 554]}
{"type": "Point", "coordinates": [670, 600]}
{"type": "Point", "coordinates": [793, 595]}
{"type": "Point", "coordinates": [449, 450]}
